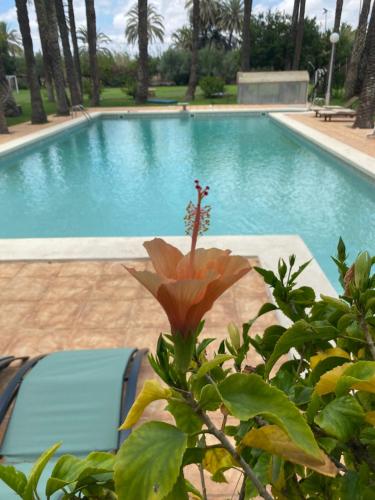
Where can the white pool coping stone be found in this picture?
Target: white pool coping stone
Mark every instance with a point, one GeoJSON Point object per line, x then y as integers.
{"type": "Point", "coordinates": [347, 154]}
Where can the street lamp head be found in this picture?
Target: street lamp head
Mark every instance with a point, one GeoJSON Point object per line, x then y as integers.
{"type": "Point", "coordinates": [334, 38]}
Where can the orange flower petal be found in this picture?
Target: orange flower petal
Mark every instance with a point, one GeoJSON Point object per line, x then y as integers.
{"type": "Point", "coordinates": [164, 256]}
{"type": "Point", "coordinates": [236, 268]}
{"type": "Point", "coordinates": [149, 280]}
{"type": "Point", "coordinates": [177, 299]}
{"type": "Point", "coordinates": [204, 260]}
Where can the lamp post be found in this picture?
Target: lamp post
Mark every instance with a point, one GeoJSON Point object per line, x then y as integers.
{"type": "Point", "coordinates": [334, 38]}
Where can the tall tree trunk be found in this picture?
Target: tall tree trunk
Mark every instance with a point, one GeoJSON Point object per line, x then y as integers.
{"type": "Point", "coordinates": [366, 109]}
{"type": "Point", "coordinates": [193, 78]}
{"type": "Point", "coordinates": [46, 16]}
{"type": "Point", "coordinates": [57, 64]}
{"type": "Point", "coordinates": [38, 115]}
{"type": "Point", "coordinates": [337, 24]}
{"type": "Point", "coordinates": [338, 12]}
{"type": "Point", "coordinates": [142, 84]}
{"type": "Point", "coordinates": [73, 34]}
{"type": "Point", "coordinates": [293, 35]}
{"type": "Point", "coordinates": [71, 76]}
{"type": "Point", "coordinates": [41, 16]}
{"type": "Point", "coordinates": [246, 42]}
{"type": "Point", "coordinates": [358, 47]}
{"type": "Point", "coordinates": [299, 35]}
{"type": "Point", "coordinates": [3, 98]}
{"type": "Point", "coordinates": [94, 69]}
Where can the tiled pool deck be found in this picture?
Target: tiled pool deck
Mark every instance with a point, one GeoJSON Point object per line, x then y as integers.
{"type": "Point", "coordinates": [51, 306]}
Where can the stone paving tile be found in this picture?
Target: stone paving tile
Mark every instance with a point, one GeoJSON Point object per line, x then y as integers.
{"type": "Point", "coordinates": [340, 129]}
{"type": "Point", "coordinates": [47, 307]}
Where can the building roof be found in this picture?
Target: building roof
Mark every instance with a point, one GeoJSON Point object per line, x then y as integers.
{"type": "Point", "coordinates": [272, 77]}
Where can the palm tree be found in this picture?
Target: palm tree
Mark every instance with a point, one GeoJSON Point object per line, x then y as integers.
{"type": "Point", "coordinates": [209, 12]}
{"type": "Point", "coordinates": [232, 18]}
{"type": "Point", "coordinates": [155, 26]}
{"type": "Point", "coordinates": [292, 35]}
{"type": "Point", "coordinates": [38, 115]}
{"type": "Point", "coordinates": [92, 48]}
{"type": "Point", "coordinates": [357, 51]}
{"type": "Point", "coordinates": [245, 49]}
{"type": "Point", "coordinates": [183, 38]}
{"type": "Point", "coordinates": [57, 63]}
{"type": "Point", "coordinates": [338, 12]}
{"type": "Point", "coordinates": [193, 78]}
{"type": "Point", "coordinates": [366, 109]}
{"type": "Point", "coordinates": [73, 35]}
{"type": "Point", "coordinates": [142, 84]}
{"type": "Point", "coordinates": [101, 41]}
{"type": "Point", "coordinates": [299, 35]}
{"type": "Point", "coordinates": [71, 75]}
{"type": "Point", "coordinates": [4, 91]}
{"type": "Point", "coordinates": [11, 39]}
{"type": "Point", "coordinates": [41, 15]}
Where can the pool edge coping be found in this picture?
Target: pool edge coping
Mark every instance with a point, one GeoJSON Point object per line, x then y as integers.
{"type": "Point", "coordinates": [13, 145]}
{"type": "Point", "coordinates": [347, 154]}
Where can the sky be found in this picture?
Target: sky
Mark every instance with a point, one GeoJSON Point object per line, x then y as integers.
{"type": "Point", "coordinates": [111, 16]}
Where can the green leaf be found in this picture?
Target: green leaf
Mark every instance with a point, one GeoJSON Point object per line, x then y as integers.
{"type": "Point", "coordinates": [16, 480]}
{"type": "Point", "coordinates": [324, 366]}
{"type": "Point", "coordinates": [186, 419]}
{"type": "Point", "coordinates": [262, 470]}
{"type": "Point", "coordinates": [268, 276]}
{"type": "Point", "coordinates": [297, 336]}
{"type": "Point", "coordinates": [179, 490]}
{"type": "Point", "coordinates": [218, 360]}
{"type": "Point", "coordinates": [209, 398]}
{"type": "Point", "coordinates": [341, 418]}
{"type": "Point", "coordinates": [193, 456]}
{"type": "Point", "coordinates": [266, 308]}
{"type": "Point", "coordinates": [149, 461]}
{"type": "Point", "coordinates": [66, 470]}
{"type": "Point", "coordinates": [36, 471]}
{"type": "Point", "coordinates": [248, 395]}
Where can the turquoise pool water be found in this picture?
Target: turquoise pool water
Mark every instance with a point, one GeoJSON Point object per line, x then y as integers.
{"type": "Point", "coordinates": [134, 177]}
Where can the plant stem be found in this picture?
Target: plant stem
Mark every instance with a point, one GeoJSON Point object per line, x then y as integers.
{"type": "Point", "coordinates": [243, 489]}
{"type": "Point", "coordinates": [203, 482]}
{"type": "Point", "coordinates": [368, 337]}
{"type": "Point", "coordinates": [220, 436]}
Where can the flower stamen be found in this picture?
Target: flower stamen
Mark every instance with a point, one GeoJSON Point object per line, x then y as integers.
{"type": "Point", "coordinates": [197, 220]}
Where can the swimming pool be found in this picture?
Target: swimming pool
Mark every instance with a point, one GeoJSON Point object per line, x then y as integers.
{"type": "Point", "coordinates": [134, 177]}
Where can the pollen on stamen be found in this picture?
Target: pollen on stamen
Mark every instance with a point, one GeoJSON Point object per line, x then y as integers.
{"type": "Point", "coordinates": [197, 211]}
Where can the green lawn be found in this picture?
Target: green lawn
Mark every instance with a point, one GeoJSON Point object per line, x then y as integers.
{"type": "Point", "coordinates": [112, 97]}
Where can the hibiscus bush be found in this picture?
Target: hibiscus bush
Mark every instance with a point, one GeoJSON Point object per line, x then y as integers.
{"type": "Point", "coordinates": [297, 425]}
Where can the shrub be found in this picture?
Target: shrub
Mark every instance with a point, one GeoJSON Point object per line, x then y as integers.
{"type": "Point", "coordinates": [211, 85]}
{"type": "Point", "coordinates": [87, 88]}
{"type": "Point", "coordinates": [174, 65]}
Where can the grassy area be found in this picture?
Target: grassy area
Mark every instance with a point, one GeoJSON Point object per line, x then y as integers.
{"type": "Point", "coordinates": [112, 97]}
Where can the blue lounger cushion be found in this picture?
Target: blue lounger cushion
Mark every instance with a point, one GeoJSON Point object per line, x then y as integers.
{"type": "Point", "coordinates": [162, 101]}
{"type": "Point", "coordinates": [70, 396]}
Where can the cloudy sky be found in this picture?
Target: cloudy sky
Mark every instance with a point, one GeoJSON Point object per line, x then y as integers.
{"type": "Point", "coordinates": [111, 15]}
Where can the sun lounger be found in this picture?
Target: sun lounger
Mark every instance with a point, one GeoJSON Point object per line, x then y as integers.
{"type": "Point", "coordinates": [319, 109]}
{"type": "Point", "coordinates": [161, 101]}
{"type": "Point", "coordinates": [77, 397]}
{"type": "Point", "coordinates": [338, 113]}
